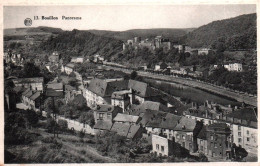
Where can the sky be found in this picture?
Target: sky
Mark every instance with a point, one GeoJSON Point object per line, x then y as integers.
{"type": "Point", "coordinates": [122, 17]}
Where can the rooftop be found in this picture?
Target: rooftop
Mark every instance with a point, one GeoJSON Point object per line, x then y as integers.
{"type": "Point", "coordinates": [28, 80]}
{"type": "Point", "coordinates": [103, 88]}
{"type": "Point", "coordinates": [126, 118]}
{"type": "Point", "coordinates": [107, 108]}
{"type": "Point", "coordinates": [121, 129]}
{"type": "Point", "coordinates": [35, 96]}
{"type": "Point", "coordinates": [103, 125]}
{"type": "Point", "coordinates": [55, 86]}
{"type": "Point", "coordinates": [186, 124]}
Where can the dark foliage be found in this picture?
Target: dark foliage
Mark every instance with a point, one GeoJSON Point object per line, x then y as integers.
{"type": "Point", "coordinates": [233, 33]}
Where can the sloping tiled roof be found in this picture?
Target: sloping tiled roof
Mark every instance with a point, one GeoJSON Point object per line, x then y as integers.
{"type": "Point", "coordinates": [103, 88]}
{"type": "Point", "coordinates": [141, 88]}
{"type": "Point", "coordinates": [70, 65]}
{"type": "Point", "coordinates": [18, 89]}
{"type": "Point", "coordinates": [170, 121]}
{"type": "Point", "coordinates": [186, 124]}
{"type": "Point", "coordinates": [28, 80]}
{"type": "Point", "coordinates": [103, 125]}
{"type": "Point", "coordinates": [29, 94]}
{"type": "Point", "coordinates": [35, 95]}
{"type": "Point", "coordinates": [132, 131]}
{"type": "Point", "coordinates": [244, 114]}
{"type": "Point", "coordinates": [121, 129]}
{"type": "Point", "coordinates": [119, 94]}
{"type": "Point", "coordinates": [55, 86]}
{"type": "Point", "coordinates": [126, 118]}
{"type": "Point", "coordinates": [26, 91]}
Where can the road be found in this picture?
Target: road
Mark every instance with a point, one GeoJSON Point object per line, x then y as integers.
{"type": "Point", "coordinates": [196, 84]}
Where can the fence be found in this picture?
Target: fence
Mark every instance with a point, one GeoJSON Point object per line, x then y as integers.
{"type": "Point", "coordinates": [74, 125]}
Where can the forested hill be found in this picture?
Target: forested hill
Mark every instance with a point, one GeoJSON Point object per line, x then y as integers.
{"type": "Point", "coordinates": [172, 33]}
{"type": "Point", "coordinates": [77, 43]}
{"type": "Point", "coordinates": [234, 33]}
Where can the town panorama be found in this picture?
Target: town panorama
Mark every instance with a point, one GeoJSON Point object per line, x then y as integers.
{"type": "Point", "coordinates": [134, 96]}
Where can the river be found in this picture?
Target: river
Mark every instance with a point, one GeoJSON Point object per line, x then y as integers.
{"type": "Point", "coordinates": [194, 94]}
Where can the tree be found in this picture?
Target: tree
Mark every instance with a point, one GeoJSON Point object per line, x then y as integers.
{"type": "Point", "coordinates": [87, 118]}
{"type": "Point", "coordinates": [30, 70]}
{"type": "Point", "coordinates": [52, 125]}
{"type": "Point", "coordinates": [238, 153]}
{"type": "Point", "coordinates": [133, 75]}
{"type": "Point", "coordinates": [32, 118]}
{"type": "Point", "coordinates": [63, 124]}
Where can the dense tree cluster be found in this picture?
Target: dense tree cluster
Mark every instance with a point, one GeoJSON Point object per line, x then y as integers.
{"type": "Point", "coordinates": [233, 33]}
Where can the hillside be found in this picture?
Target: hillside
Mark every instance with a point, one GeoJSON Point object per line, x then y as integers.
{"type": "Point", "coordinates": [234, 33]}
{"type": "Point", "coordinates": [75, 43]}
{"type": "Point", "coordinates": [171, 33]}
{"type": "Point", "coordinates": [31, 31]}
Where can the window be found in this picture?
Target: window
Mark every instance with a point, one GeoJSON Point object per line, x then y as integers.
{"type": "Point", "coordinates": [220, 145]}
{"type": "Point", "coordinates": [183, 136]}
{"type": "Point", "coordinates": [239, 127]}
{"type": "Point", "coordinates": [247, 132]}
{"type": "Point", "coordinates": [162, 148]}
{"type": "Point", "coordinates": [211, 137]}
{"type": "Point", "coordinates": [239, 140]}
{"type": "Point", "coordinates": [101, 116]}
{"type": "Point", "coordinates": [215, 145]}
{"type": "Point", "coordinates": [178, 136]}
{"type": "Point", "coordinates": [248, 139]}
{"type": "Point", "coordinates": [157, 146]}
{"type": "Point", "coordinates": [239, 134]}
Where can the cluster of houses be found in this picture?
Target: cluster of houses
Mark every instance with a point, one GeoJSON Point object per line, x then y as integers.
{"type": "Point", "coordinates": [14, 58]}
{"type": "Point", "coordinates": [133, 106]}
{"type": "Point", "coordinates": [135, 110]}
{"type": "Point", "coordinates": [237, 67]}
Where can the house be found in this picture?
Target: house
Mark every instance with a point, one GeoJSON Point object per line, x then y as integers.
{"type": "Point", "coordinates": [127, 130]}
{"type": "Point", "coordinates": [55, 86]}
{"type": "Point", "coordinates": [163, 123]}
{"type": "Point", "coordinates": [18, 90]}
{"type": "Point", "coordinates": [54, 58]}
{"type": "Point", "coordinates": [32, 99]}
{"type": "Point", "coordinates": [204, 51]}
{"type": "Point", "coordinates": [208, 113]}
{"type": "Point", "coordinates": [244, 128]}
{"type": "Point", "coordinates": [140, 92]}
{"type": "Point", "coordinates": [127, 119]}
{"type": "Point", "coordinates": [69, 68]}
{"type": "Point", "coordinates": [202, 141]}
{"type": "Point", "coordinates": [180, 47]}
{"type": "Point", "coordinates": [98, 58]}
{"type": "Point", "coordinates": [162, 146]}
{"type": "Point", "coordinates": [78, 59]}
{"type": "Point", "coordinates": [238, 67]}
{"type": "Point", "coordinates": [99, 91]}
{"type": "Point", "coordinates": [106, 112]}
{"type": "Point", "coordinates": [121, 99]}
{"type": "Point", "coordinates": [35, 83]}
{"type": "Point", "coordinates": [160, 66]}
{"type": "Point", "coordinates": [183, 133]}
{"type": "Point", "coordinates": [218, 140]}
{"type": "Point", "coordinates": [102, 126]}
